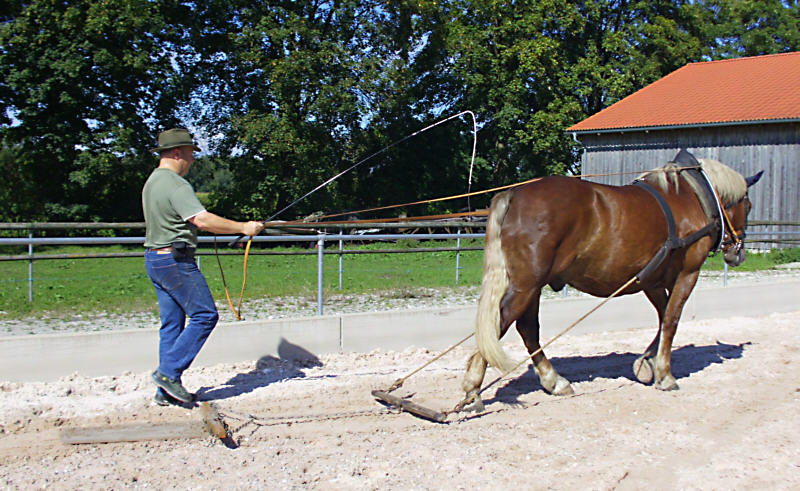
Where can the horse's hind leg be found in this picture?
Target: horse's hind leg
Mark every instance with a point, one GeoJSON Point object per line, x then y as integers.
{"type": "Point", "coordinates": [528, 327]}
{"type": "Point", "coordinates": [476, 371]}
{"type": "Point", "coordinates": [473, 378]}
{"type": "Point", "coordinates": [512, 306]}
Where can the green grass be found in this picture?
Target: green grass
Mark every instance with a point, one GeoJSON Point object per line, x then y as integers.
{"type": "Point", "coordinates": [121, 284]}
{"type": "Point", "coordinates": [756, 261]}
{"type": "Point", "coordinates": [69, 286]}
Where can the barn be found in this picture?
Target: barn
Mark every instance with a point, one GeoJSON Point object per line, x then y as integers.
{"type": "Point", "coordinates": [744, 112]}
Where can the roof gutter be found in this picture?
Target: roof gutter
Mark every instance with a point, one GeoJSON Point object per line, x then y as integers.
{"type": "Point", "coordinates": [682, 126]}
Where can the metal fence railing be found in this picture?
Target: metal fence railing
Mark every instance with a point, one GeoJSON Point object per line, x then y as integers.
{"type": "Point", "coordinates": [310, 233]}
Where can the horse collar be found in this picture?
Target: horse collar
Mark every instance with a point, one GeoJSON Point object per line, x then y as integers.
{"type": "Point", "coordinates": [710, 202]}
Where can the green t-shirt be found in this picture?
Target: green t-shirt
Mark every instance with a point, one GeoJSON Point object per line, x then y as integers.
{"type": "Point", "coordinates": [168, 201]}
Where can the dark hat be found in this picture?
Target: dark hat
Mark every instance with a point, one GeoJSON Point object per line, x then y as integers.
{"type": "Point", "coordinates": [174, 138]}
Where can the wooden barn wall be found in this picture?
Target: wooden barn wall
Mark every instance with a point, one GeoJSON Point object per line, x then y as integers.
{"type": "Point", "coordinates": [773, 148]}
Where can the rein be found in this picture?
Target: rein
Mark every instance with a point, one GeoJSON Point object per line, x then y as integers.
{"type": "Point", "coordinates": [672, 242]}
{"type": "Point", "coordinates": [340, 174]}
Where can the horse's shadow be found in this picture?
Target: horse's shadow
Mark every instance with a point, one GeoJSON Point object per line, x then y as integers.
{"type": "Point", "coordinates": [685, 361]}
{"type": "Point", "coordinates": [269, 369]}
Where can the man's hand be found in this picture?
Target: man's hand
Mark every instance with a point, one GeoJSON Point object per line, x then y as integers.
{"type": "Point", "coordinates": [252, 228]}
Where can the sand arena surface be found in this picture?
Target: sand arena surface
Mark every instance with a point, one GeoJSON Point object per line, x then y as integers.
{"type": "Point", "coordinates": [733, 424]}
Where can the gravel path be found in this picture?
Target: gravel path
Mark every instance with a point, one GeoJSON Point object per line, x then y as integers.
{"type": "Point", "coordinates": [334, 304]}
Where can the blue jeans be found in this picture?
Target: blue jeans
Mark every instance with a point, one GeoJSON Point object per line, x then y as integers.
{"type": "Point", "coordinates": [182, 291]}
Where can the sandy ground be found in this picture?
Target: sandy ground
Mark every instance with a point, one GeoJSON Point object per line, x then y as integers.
{"type": "Point", "coordinates": [312, 424]}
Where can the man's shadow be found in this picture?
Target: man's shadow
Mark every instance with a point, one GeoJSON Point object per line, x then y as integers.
{"type": "Point", "coordinates": [289, 364]}
{"type": "Point", "coordinates": [685, 361]}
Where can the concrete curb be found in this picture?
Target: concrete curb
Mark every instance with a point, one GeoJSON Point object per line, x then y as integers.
{"type": "Point", "coordinates": [49, 357]}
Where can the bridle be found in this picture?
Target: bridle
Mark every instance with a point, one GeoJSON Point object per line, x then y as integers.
{"type": "Point", "coordinates": [730, 237]}
{"type": "Point", "coordinates": [728, 234]}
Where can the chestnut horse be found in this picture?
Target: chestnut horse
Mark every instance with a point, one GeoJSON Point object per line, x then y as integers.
{"type": "Point", "coordinates": [565, 231]}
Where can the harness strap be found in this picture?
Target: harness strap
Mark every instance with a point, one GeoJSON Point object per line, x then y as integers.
{"type": "Point", "coordinates": [669, 245]}
{"type": "Point", "coordinates": [672, 242]}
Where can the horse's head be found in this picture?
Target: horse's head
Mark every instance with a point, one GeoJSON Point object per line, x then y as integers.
{"type": "Point", "coordinates": [736, 218]}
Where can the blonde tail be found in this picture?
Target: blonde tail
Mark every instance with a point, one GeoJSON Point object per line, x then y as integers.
{"type": "Point", "coordinates": [493, 287]}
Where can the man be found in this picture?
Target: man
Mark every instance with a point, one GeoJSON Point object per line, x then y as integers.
{"type": "Point", "coordinates": [173, 214]}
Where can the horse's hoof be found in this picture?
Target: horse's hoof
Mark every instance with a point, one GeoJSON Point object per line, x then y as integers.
{"type": "Point", "coordinates": [643, 370]}
{"type": "Point", "coordinates": [562, 388]}
{"type": "Point", "coordinates": [668, 383]}
{"type": "Point", "coordinates": [475, 406]}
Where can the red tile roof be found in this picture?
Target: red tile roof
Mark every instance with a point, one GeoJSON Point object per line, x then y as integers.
{"type": "Point", "coordinates": [758, 89]}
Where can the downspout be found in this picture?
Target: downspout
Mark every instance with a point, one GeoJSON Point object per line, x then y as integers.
{"type": "Point", "coordinates": [583, 151]}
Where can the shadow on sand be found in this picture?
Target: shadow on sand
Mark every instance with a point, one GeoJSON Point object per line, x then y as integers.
{"type": "Point", "coordinates": [685, 361]}
{"type": "Point", "coordinates": [269, 369]}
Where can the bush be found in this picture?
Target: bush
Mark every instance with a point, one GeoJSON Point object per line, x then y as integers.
{"type": "Point", "coordinates": [784, 256]}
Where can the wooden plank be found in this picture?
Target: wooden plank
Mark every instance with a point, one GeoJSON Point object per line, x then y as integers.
{"type": "Point", "coordinates": [134, 432]}
{"type": "Point", "coordinates": [409, 406]}
{"type": "Point", "coordinates": [213, 421]}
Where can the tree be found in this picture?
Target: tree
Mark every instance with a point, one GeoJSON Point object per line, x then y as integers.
{"type": "Point", "coordinates": [533, 68]}
{"type": "Point", "coordinates": [285, 94]}
{"type": "Point", "coordinates": [297, 84]}
{"type": "Point", "coordinates": [751, 28]}
{"type": "Point", "coordinates": [83, 84]}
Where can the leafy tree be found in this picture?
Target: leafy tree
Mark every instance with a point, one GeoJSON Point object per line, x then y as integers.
{"type": "Point", "coordinates": [285, 94]}
{"type": "Point", "coordinates": [83, 83]}
{"type": "Point", "coordinates": [295, 81]}
{"type": "Point", "coordinates": [533, 68]}
{"type": "Point", "coordinates": [750, 27]}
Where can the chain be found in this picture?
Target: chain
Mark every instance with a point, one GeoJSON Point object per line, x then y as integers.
{"type": "Point", "coordinates": [246, 420]}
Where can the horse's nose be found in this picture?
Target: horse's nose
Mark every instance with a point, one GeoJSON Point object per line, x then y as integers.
{"type": "Point", "coordinates": [734, 256]}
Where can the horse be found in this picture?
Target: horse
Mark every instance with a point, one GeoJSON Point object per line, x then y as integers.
{"type": "Point", "coordinates": [561, 231]}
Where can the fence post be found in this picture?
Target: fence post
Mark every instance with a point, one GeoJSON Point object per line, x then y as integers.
{"type": "Point", "coordinates": [340, 259]}
{"type": "Point", "coordinates": [725, 275]}
{"type": "Point", "coordinates": [30, 269]}
{"type": "Point", "coordinates": [320, 263]}
{"type": "Point", "coordinates": [458, 253]}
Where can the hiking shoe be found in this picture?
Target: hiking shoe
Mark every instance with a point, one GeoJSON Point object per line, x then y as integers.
{"type": "Point", "coordinates": [172, 387]}
{"type": "Point", "coordinates": [163, 399]}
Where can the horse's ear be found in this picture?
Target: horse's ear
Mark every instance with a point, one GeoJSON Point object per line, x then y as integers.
{"type": "Point", "coordinates": [754, 178]}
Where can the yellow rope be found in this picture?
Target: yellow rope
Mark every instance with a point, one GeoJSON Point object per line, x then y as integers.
{"type": "Point", "coordinates": [399, 382]}
{"type": "Point", "coordinates": [457, 196]}
{"type": "Point", "coordinates": [236, 312]}
{"type": "Point", "coordinates": [244, 274]}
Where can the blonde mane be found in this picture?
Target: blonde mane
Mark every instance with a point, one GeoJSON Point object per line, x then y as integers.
{"type": "Point", "coordinates": [729, 184]}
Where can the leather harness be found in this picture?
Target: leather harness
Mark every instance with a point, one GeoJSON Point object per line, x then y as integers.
{"type": "Point", "coordinates": [709, 202]}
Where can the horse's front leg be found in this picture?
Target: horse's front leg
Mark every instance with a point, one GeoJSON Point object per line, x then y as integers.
{"type": "Point", "coordinates": [669, 325]}
{"type": "Point", "coordinates": [643, 366]}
